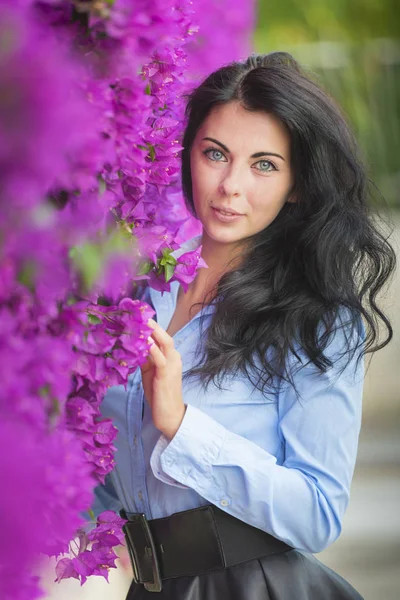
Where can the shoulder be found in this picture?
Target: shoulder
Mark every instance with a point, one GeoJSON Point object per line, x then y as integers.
{"type": "Point", "coordinates": [340, 337]}
{"type": "Point", "coordinates": [343, 342]}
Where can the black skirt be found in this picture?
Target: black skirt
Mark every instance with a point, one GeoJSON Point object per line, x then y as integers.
{"type": "Point", "coordinates": [292, 575]}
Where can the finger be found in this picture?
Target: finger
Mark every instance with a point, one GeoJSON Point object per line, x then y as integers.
{"type": "Point", "coordinates": [158, 357]}
{"type": "Point", "coordinates": [163, 339]}
{"type": "Point", "coordinates": [148, 364]}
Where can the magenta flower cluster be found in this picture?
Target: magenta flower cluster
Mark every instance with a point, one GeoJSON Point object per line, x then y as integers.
{"type": "Point", "coordinates": [92, 101]}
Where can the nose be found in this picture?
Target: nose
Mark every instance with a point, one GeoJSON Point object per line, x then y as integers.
{"type": "Point", "coordinates": [231, 183]}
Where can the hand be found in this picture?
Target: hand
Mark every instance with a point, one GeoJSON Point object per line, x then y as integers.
{"type": "Point", "coordinates": [162, 382]}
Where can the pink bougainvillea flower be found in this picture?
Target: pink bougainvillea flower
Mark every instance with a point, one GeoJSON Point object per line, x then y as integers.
{"type": "Point", "coordinates": [187, 267]}
{"type": "Point", "coordinates": [92, 98]}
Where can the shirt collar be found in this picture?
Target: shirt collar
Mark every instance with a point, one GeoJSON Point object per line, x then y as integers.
{"type": "Point", "coordinates": [187, 246]}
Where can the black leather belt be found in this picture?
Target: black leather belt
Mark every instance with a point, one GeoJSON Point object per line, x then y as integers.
{"type": "Point", "coordinates": [190, 543]}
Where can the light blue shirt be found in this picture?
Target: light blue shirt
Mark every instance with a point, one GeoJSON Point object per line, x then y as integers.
{"type": "Point", "coordinates": [280, 463]}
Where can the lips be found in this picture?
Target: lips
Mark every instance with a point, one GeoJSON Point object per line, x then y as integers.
{"type": "Point", "coordinates": [227, 211]}
{"type": "Point", "coordinates": [225, 217]}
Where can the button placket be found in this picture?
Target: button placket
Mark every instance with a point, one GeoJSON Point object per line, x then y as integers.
{"type": "Point", "coordinates": [136, 401]}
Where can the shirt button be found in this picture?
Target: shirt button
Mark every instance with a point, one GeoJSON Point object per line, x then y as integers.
{"type": "Point", "coordinates": [140, 495]}
{"type": "Point", "coordinates": [135, 440]}
{"type": "Point", "coordinates": [224, 502]}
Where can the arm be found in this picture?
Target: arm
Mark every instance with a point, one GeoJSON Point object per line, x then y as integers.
{"type": "Point", "coordinates": [301, 501]}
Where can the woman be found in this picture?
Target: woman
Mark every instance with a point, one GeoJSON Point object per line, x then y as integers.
{"type": "Point", "coordinates": [238, 437]}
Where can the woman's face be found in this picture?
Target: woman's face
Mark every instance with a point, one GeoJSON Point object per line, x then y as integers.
{"type": "Point", "coordinates": [240, 161]}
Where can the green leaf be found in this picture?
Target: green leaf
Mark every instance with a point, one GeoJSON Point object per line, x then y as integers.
{"type": "Point", "coordinates": [91, 514]}
{"type": "Point", "coordinates": [169, 271]}
{"type": "Point", "coordinates": [55, 410]}
{"type": "Point", "coordinates": [146, 267]}
{"type": "Point", "coordinates": [26, 276]}
{"type": "Point", "coordinates": [44, 391]}
{"type": "Point", "coordinates": [171, 260]}
{"type": "Point", "coordinates": [152, 152]}
{"type": "Point", "coordinates": [118, 241]}
{"type": "Point", "coordinates": [88, 260]}
{"type": "Point", "coordinates": [167, 253]}
{"type": "Point", "coordinates": [102, 185]}
{"type": "Point", "coordinates": [93, 319]}
{"type": "Point", "coordinates": [147, 90]}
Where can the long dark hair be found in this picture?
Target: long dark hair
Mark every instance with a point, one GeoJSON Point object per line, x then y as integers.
{"type": "Point", "coordinates": [321, 263]}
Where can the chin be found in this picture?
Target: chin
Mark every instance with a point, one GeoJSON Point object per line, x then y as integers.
{"type": "Point", "coordinates": [222, 234]}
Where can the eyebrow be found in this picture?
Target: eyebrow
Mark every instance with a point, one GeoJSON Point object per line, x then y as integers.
{"type": "Point", "coordinates": [255, 155]}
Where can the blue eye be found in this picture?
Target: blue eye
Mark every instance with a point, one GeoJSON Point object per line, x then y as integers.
{"type": "Point", "coordinates": [269, 166]}
{"type": "Point", "coordinates": [209, 151]}
{"type": "Point", "coordinates": [216, 155]}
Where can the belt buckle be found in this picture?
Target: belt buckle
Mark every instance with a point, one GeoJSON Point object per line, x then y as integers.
{"type": "Point", "coordinates": [150, 549]}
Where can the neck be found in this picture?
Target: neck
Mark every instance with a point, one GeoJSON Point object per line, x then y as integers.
{"type": "Point", "coordinates": [220, 258]}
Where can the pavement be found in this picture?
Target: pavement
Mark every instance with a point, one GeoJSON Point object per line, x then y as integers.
{"type": "Point", "coordinates": [368, 551]}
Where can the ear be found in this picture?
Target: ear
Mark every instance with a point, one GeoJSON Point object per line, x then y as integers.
{"type": "Point", "coordinates": [291, 198]}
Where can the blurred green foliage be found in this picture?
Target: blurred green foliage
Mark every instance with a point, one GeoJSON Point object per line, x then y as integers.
{"type": "Point", "coordinates": [353, 47]}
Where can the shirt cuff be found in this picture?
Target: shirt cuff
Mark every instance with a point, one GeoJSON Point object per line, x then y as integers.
{"type": "Point", "coordinates": [155, 463]}
{"type": "Point", "coordinates": [189, 457]}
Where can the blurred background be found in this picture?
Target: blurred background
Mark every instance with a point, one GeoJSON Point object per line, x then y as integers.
{"type": "Point", "coordinates": [353, 47]}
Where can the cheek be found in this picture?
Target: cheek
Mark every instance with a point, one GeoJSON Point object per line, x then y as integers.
{"type": "Point", "coordinates": [267, 201]}
{"type": "Point", "coordinates": [203, 183]}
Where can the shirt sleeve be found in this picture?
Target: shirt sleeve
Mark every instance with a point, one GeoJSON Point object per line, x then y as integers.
{"type": "Point", "coordinates": [301, 501]}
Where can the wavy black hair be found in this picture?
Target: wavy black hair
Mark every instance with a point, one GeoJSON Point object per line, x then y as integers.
{"type": "Point", "coordinates": [320, 265]}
